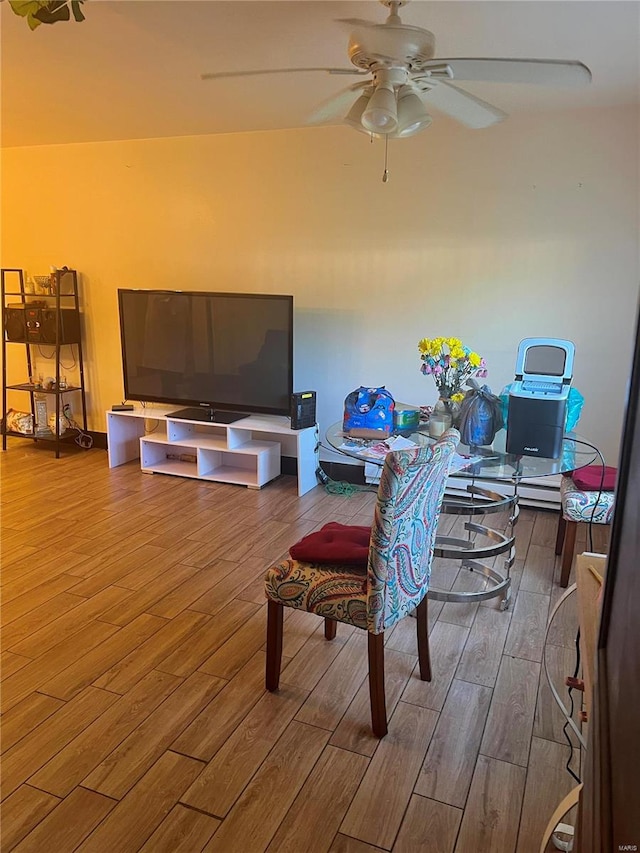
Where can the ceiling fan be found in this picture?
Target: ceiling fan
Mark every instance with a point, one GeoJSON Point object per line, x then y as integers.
{"type": "Point", "coordinates": [400, 75]}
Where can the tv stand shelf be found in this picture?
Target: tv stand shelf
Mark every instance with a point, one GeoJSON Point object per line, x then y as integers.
{"type": "Point", "coordinates": [247, 452]}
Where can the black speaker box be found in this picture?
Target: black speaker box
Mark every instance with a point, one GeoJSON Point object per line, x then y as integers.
{"type": "Point", "coordinates": [303, 409]}
{"type": "Point", "coordinates": [27, 325]}
{"type": "Point", "coordinates": [69, 326]}
{"type": "Point", "coordinates": [14, 324]}
{"type": "Point", "coordinates": [535, 427]}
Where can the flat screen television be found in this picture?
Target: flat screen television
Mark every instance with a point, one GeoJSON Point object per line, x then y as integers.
{"type": "Point", "coordinates": [221, 355]}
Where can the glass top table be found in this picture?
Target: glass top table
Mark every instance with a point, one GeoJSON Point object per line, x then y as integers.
{"type": "Point", "coordinates": [488, 463]}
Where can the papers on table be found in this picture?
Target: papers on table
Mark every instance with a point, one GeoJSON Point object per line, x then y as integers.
{"type": "Point", "coordinates": [458, 462]}
{"type": "Point", "coordinates": [379, 450]}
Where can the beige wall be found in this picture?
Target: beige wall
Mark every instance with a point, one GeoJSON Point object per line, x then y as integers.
{"type": "Point", "coordinates": [529, 228]}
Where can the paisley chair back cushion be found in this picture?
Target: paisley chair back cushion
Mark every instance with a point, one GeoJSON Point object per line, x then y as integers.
{"type": "Point", "coordinates": [398, 569]}
{"type": "Point", "coordinates": [404, 529]}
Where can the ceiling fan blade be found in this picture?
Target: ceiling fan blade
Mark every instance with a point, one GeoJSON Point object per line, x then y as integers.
{"type": "Point", "coordinates": [337, 105]}
{"type": "Point", "coordinates": [462, 106]}
{"type": "Point", "coordinates": [218, 75]}
{"type": "Point", "coordinates": [543, 72]}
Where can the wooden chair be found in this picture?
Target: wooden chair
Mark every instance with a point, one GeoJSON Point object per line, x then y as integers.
{"type": "Point", "coordinates": [395, 581]}
{"type": "Point", "coordinates": [579, 506]}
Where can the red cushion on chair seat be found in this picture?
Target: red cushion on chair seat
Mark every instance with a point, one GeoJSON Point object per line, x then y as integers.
{"type": "Point", "coordinates": [346, 544]}
{"type": "Point", "coordinates": [588, 479]}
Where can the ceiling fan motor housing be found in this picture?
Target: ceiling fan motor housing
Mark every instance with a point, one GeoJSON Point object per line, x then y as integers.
{"type": "Point", "coordinates": [391, 45]}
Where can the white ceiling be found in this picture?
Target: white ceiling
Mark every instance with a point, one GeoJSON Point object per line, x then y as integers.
{"type": "Point", "coordinates": [132, 68]}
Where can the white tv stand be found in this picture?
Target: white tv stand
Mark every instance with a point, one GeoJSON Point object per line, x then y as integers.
{"type": "Point", "coordinates": [246, 452]}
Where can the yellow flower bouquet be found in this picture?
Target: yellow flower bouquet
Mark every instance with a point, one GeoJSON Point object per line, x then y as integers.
{"type": "Point", "coordinates": [450, 363]}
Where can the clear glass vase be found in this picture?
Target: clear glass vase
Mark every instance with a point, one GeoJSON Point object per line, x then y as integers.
{"type": "Point", "coordinates": [447, 409]}
{"type": "Point", "coordinates": [441, 418]}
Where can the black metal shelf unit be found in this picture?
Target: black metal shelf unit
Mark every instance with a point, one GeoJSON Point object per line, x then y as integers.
{"type": "Point", "coordinates": [38, 321]}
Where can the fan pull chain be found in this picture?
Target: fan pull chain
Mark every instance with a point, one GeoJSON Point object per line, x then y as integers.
{"type": "Point", "coordinates": [385, 174]}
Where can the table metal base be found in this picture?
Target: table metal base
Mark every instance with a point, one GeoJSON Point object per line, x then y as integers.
{"type": "Point", "coordinates": [471, 551]}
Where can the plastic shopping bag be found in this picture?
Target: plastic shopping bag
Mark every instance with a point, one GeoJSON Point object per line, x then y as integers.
{"type": "Point", "coordinates": [480, 415]}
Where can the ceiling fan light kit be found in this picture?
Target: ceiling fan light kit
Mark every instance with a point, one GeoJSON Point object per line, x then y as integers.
{"type": "Point", "coordinates": [412, 113]}
{"type": "Point", "coordinates": [354, 116]}
{"type": "Point", "coordinates": [381, 113]}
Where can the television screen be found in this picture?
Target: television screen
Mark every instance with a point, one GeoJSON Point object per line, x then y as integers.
{"type": "Point", "coordinates": [231, 352]}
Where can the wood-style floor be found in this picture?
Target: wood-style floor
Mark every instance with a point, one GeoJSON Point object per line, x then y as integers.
{"type": "Point", "coordinates": [134, 710]}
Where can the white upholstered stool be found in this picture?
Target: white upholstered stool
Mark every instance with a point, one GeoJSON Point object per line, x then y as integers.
{"type": "Point", "coordinates": [579, 506]}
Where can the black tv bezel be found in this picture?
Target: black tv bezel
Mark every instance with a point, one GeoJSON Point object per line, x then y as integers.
{"type": "Point", "coordinates": [207, 404]}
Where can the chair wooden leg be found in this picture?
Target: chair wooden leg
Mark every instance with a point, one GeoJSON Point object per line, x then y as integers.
{"type": "Point", "coordinates": [275, 613]}
{"type": "Point", "coordinates": [376, 685]}
{"type": "Point", "coordinates": [424, 658]}
{"type": "Point", "coordinates": [562, 528]}
{"type": "Point", "coordinates": [567, 552]}
{"type": "Point", "coordinates": [330, 628]}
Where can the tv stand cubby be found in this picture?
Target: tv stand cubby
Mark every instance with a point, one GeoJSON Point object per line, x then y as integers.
{"type": "Point", "coordinates": [247, 452]}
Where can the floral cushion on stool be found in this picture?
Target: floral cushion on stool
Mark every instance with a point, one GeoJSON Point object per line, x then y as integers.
{"type": "Point", "coordinates": [334, 592]}
{"type": "Point", "coordinates": [578, 505]}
